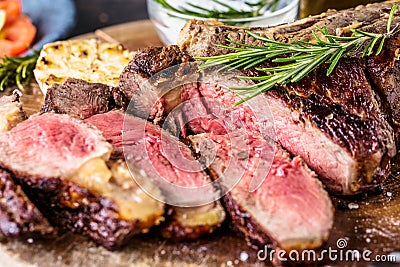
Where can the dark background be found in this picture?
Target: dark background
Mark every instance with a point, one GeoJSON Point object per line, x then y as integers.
{"type": "Point", "coordinates": [94, 14]}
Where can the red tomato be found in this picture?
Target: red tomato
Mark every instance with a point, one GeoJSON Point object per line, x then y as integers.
{"type": "Point", "coordinates": [13, 9]}
{"type": "Point", "coordinates": [16, 37]}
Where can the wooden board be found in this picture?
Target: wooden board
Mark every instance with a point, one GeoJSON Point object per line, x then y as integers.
{"type": "Point", "coordinates": [132, 35]}
{"type": "Point", "coordinates": [366, 222]}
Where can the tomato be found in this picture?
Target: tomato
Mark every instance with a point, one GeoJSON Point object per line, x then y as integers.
{"type": "Point", "coordinates": [13, 9]}
{"type": "Point", "coordinates": [16, 37]}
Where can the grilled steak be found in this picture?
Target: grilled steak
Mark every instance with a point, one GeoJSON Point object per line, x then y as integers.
{"type": "Point", "coordinates": [344, 122]}
{"type": "Point", "coordinates": [81, 99]}
{"type": "Point", "coordinates": [164, 158]}
{"type": "Point", "coordinates": [18, 216]}
{"type": "Point", "coordinates": [349, 129]}
{"type": "Point", "coordinates": [199, 38]}
{"type": "Point", "coordinates": [60, 162]}
{"type": "Point", "coordinates": [290, 209]}
{"type": "Point", "coordinates": [11, 111]}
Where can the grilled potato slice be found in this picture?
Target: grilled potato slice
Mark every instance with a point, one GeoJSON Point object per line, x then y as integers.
{"type": "Point", "coordinates": [89, 60]}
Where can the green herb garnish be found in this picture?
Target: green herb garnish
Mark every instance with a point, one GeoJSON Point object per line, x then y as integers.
{"type": "Point", "coordinates": [17, 70]}
{"type": "Point", "coordinates": [256, 9]}
{"type": "Point", "coordinates": [297, 59]}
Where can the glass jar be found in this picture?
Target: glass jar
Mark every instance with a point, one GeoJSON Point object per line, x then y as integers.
{"type": "Point", "coordinates": [169, 23]}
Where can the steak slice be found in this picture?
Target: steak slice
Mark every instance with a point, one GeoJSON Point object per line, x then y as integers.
{"type": "Point", "coordinates": [82, 99]}
{"type": "Point", "coordinates": [19, 217]}
{"type": "Point", "coordinates": [290, 209]}
{"type": "Point", "coordinates": [61, 165]}
{"type": "Point", "coordinates": [136, 81]}
{"type": "Point", "coordinates": [11, 112]}
{"type": "Point", "coordinates": [166, 160]}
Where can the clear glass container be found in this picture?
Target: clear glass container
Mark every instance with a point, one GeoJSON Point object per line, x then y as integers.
{"type": "Point", "coordinates": [169, 23]}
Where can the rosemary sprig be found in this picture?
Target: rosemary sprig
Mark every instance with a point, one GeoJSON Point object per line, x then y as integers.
{"type": "Point", "coordinates": [297, 59]}
{"type": "Point", "coordinates": [17, 70]}
{"type": "Point", "coordinates": [255, 9]}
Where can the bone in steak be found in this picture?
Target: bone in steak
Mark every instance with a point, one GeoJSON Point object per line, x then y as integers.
{"type": "Point", "coordinates": [61, 165]}
{"type": "Point", "coordinates": [366, 90]}
{"type": "Point", "coordinates": [159, 155]}
{"type": "Point", "coordinates": [198, 38]}
{"type": "Point", "coordinates": [340, 125]}
{"type": "Point", "coordinates": [18, 216]}
{"type": "Point", "coordinates": [82, 99]}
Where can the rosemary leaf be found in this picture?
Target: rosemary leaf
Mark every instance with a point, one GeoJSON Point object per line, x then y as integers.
{"type": "Point", "coordinates": [256, 9]}
{"type": "Point", "coordinates": [379, 50]}
{"type": "Point", "coordinates": [336, 57]}
{"type": "Point", "coordinates": [17, 70]}
{"type": "Point", "coordinates": [297, 59]}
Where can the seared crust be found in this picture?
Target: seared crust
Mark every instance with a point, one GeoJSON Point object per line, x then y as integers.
{"type": "Point", "coordinates": [147, 63]}
{"type": "Point", "coordinates": [82, 212]}
{"type": "Point", "coordinates": [243, 224]}
{"type": "Point", "coordinates": [82, 99]}
{"type": "Point", "coordinates": [18, 215]}
{"type": "Point", "coordinates": [384, 73]}
{"type": "Point", "coordinates": [198, 38]}
{"type": "Point", "coordinates": [155, 59]}
{"type": "Point", "coordinates": [174, 230]}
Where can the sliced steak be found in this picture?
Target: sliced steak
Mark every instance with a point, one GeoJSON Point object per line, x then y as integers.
{"type": "Point", "coordinates": [60, 163]}
{"type": "Point", "coordinates": [11, 112]}
{"type": "Point", "coordinates": [19, 217]}
{"type": "Point", "coordinates": [167, 161]}
{"type": "Point", "coordinates": [290, 209]}
{"type": "Point", "coordinates": [81, 99]}
{"type": "Point", "coordinates": [340, 120]}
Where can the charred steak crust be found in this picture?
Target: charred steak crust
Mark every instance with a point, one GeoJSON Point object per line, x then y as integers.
{"type": "Point", "coordinates": [346, 109]}
{"type": "Point", "coordinates": [199, 38]}
{"type": "Point", "coordinates": [152, 60]}
{"type": "Point", "coordinates": [384, 74]}
{"type": "Point", "coordinates": [82, 99]}
{"type": "Point", "coordinates": [147, 63]}
{"type": "Point", "coordinates": [19, 217]}
{"type": "Point", "coordinates": [245, 225]}
{"type": "Point", "coordinates": [81, 211]}
{"type": "Point", "coordinates": [142, 71]}
{"type": "Point", "coordinates": [174, 230]}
